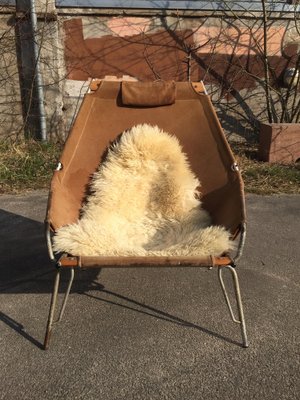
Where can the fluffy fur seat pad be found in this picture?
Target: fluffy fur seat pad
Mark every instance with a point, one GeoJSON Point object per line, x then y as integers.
{"type": "Point", "coordinates": [143, 201]}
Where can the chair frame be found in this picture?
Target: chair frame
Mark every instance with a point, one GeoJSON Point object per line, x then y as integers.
{"type": "Point", "coordinates": [225, 262]}
{"type": "Point", "coordinates": [221, 263]}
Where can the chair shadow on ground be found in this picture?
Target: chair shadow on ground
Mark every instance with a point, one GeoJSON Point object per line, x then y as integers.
{"type": "Point", "coordinates": [153, 312]}
{"type": "Point", "coordinates": [23, 259]}
{"type": "Point", "coordinates": [26, 268]}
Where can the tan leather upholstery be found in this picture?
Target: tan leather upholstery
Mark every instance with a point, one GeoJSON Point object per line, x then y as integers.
{"type": "Point", "coordinates": [148, 94]}
{"type": "Point", "coordinates": [103, 116]}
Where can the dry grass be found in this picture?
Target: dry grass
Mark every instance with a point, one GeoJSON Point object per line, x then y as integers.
{"type": "Point", "coordinates": [28, 165]}
{"type": "Point", "coordinates": [265, 178]}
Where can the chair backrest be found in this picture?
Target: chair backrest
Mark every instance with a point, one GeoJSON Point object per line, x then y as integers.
{"type": "Point", "coordinates": [178, 109]}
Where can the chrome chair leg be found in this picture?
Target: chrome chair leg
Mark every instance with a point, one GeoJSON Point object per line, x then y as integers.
{"type": "Point", "coordinates": [62, 310]}
{"type": "Point", "coordinates": [51, 321]}
{"type": "Point", "coordinates": [52, 310]}
{"type": "Point", "coordinates": [241, 319]}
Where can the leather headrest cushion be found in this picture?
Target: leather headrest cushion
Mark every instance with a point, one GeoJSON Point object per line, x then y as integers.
{"type": "Point", "coordinates": [148, 94]}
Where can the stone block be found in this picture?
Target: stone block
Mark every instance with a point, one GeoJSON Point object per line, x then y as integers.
{"type": "Point", "coordinates": [279, 143]}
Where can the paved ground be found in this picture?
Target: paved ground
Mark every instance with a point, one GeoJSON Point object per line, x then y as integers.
{"type": "Point", "coordinates": [151, 334]}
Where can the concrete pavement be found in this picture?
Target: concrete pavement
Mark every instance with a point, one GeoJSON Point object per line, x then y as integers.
{"type": "Point", "coordinates": [151, 334]}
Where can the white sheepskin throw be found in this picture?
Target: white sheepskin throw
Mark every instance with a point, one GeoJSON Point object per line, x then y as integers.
{"type": "Point", "coordinates": [143, 202]}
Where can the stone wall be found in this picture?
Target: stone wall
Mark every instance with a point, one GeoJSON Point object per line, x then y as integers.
{"type": "Point", "coordinates": [10, 102]}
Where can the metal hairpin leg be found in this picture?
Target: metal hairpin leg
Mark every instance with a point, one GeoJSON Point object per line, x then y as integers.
{"type": "Point", "coordinates": [52, 310]}
{"type": "Point", "coordinates": [66, 295]}
{"type": "Point", "coordinates": [51, 321]}
{"type": "Point", "coordinates": [241, 318]}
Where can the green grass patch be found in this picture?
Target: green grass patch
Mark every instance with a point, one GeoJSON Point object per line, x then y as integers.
{"type": "Point", "coordinates": [26, 165]}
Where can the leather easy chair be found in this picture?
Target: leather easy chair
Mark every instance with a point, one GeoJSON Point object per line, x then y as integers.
{"type": "Point", "coordinates": [182, 109]}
